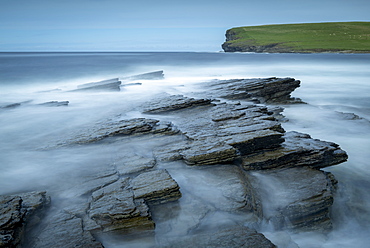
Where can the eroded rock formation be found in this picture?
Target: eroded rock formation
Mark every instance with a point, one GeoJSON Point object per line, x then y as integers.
{"type": "Point", "coordinates": [236, 147]}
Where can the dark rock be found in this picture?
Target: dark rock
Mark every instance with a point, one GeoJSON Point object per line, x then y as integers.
{"type": "Point", "coordinates": [13, 105]}
{"type": "Point", "coordinates": [55, 103]}
{"type": "Point", "coordinates": [105, 85]}
{"type": "Point", "coordinates": [297, 150]}
{"type": "Point", "coordinates": [155, 187]}
{"type": "Point", "coordinates": [135, 126]}
{"type": "Point", "coordinates": [17, 211]}
{"type": "Point", "coordinates": [232, 237]}
{"type": "Point", "coordinates": [146, 76]}
{"type": "Point", "coordinates": [296, 198]}
{"type": "Point", "coordinates": [221, 133]}
{"type": "Point", "coordinates": [64, 230]}
{"type": "Point", "coordinates": [260, 90]}
{"type": "Point", "coordinates": [173, 103]}
{"type": "Point", "coordinates": [350, 116]}
{"type": "Point", "coordinates": [10, 106]}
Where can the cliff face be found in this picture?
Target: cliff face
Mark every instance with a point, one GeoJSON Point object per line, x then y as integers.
{"type": "Point", "coordinates": [233, 43]}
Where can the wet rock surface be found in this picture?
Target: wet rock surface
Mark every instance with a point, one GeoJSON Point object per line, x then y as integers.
{"type": "Point", "coordinates": [296, 198]}
{"type": "Point", "coordinates": [233, 237]}
{"type": "Point", "coordinates": [105, 85]}
{"type": "Point", "coordinates": [17, 211]}
{"type": "Point", "coordinates": [260, 90]}
{"type": "Point", "coordinates": [155, 187]}
{"type": "Point", "coordinates": [229, 160]}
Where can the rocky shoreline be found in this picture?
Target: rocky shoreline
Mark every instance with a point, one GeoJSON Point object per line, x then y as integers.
{"type": "Point", "coordinates": [227, 135]}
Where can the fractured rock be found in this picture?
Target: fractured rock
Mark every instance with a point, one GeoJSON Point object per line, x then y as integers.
{"type": "Point", "coordinates": [259, 90]}
{"type": "Point", "coordinates": [297, 150]}
{"type": "Point", "coordinates": [124, 127]}
{"type": "Point", "coordinates": [173, 103]}
{"type": "Point", "coordinates": [64, 230]}
{"type": "Point", "coordinates": [221, 133]}
{"type": "Point", "coordinates": [155, 187]}
{"type": "Point", "coordinates": [17, 211]}
{"type": "Point", "coordinates": [296, 198]}
{"type": "Point", "coordinates": [114, 208]}
{"type": "Point", "coordinates": [134, 164]}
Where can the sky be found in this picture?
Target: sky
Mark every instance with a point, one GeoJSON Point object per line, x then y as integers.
{"type": "Point", "coordinates": [147, 25]}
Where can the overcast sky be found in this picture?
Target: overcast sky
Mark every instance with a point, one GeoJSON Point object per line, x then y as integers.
{"type": "Point", "coordinates": [147, 25]}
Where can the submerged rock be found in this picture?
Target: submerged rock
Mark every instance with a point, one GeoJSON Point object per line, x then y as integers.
{"type": "Point", "coordinates": [105, 85]}
{"type": "Point", "coordinates": [296, 198]}
{"type": "Point", "coordinates": [17, 212]}
{"type": "Point", "coordinates": [64, 230]}
{"type": "Point", "coordinates": [55, 103]}
{"type": "Point", "coordinates": [145, 76]}
{"type": "Point", "coordinates": [119, 127]}
{"type": "Point", "coordinates": [232, 237]}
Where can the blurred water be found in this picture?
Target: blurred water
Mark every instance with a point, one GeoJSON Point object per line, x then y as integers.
{"type": "Point", "coordinates": [333, 85]}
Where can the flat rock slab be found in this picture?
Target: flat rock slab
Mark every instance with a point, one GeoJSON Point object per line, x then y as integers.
{"type": "Point", "coordinates": [114, 208]}
{"type": "Point", "coordinates": [232, 237]}
{"type": "Point", "coordinates": [64, 230]}
{"type": "Point", "coordinates": [173, 103]}
{"type": "Point", "coordinates": [121, 127]}
{"type": "Point", "coordinates": [260, 90]}
{"type": "Point", "coordinates": [133, 164]}
{"type": "Point", "coordinates": [155, 187]}
{"type": "Point", "coordinates": [105, 85]}
{"type": "Point", "coordinates": [297, 150]}
{"type": "Point", "coordinates": [155, 75]}
{"type": "Point", "coordinates": [16, 211]}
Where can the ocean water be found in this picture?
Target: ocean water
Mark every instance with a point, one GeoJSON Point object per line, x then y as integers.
{"type": "Point", "coordinates": [336, 88]}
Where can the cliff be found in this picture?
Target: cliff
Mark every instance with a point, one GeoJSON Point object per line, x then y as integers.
{"type": "Point", "coordinates": [338, 37]}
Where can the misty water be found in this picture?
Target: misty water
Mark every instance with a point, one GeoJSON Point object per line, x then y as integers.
{"type": "Point", "coordinates": [335, 86]}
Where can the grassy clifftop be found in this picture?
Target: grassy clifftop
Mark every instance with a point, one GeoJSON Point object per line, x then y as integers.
{"type": "Point", "coordinates": [349, 37]}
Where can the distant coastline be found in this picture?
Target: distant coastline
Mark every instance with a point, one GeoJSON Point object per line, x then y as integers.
{"type": "Point", "coordinates": [331, 37]}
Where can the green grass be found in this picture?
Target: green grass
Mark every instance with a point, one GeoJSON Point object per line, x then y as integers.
{"type": "Point", "coordinates": [307, 37]}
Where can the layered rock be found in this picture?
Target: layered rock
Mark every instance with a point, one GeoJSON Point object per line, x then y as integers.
{"type": "Point", "coordinates": [233, 237]}
{"type": "Point", "coordinates": [17, 211]}
{"type": "Point", "coordinates": [296, 198]}
{"type": "Point", "coordinates": [155, 187]}
{"type": "Point", "coordinates": [173, 103]}
{"type": "Point", "coordinates": [155, 75]}
{"type": "Point", "coordinates": [260, 90]}
{"type": "Point", "coordinates": [114, 208]}
{"type": "Point", "coordinates": [105, 85]}
{"type": "Point", "coordinates": [257, 172]}
{"type": "Point", "coordinates": [122, 127]}
{"type": "Point", "coordinates": [298, 150]}
{"type": "Point", "coordinates": [55, 103]}
{"type": "Point", "coordinates": [64, 230]}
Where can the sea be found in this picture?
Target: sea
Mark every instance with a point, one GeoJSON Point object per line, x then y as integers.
{"type": "Point", "coordinates": [335, 87]}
